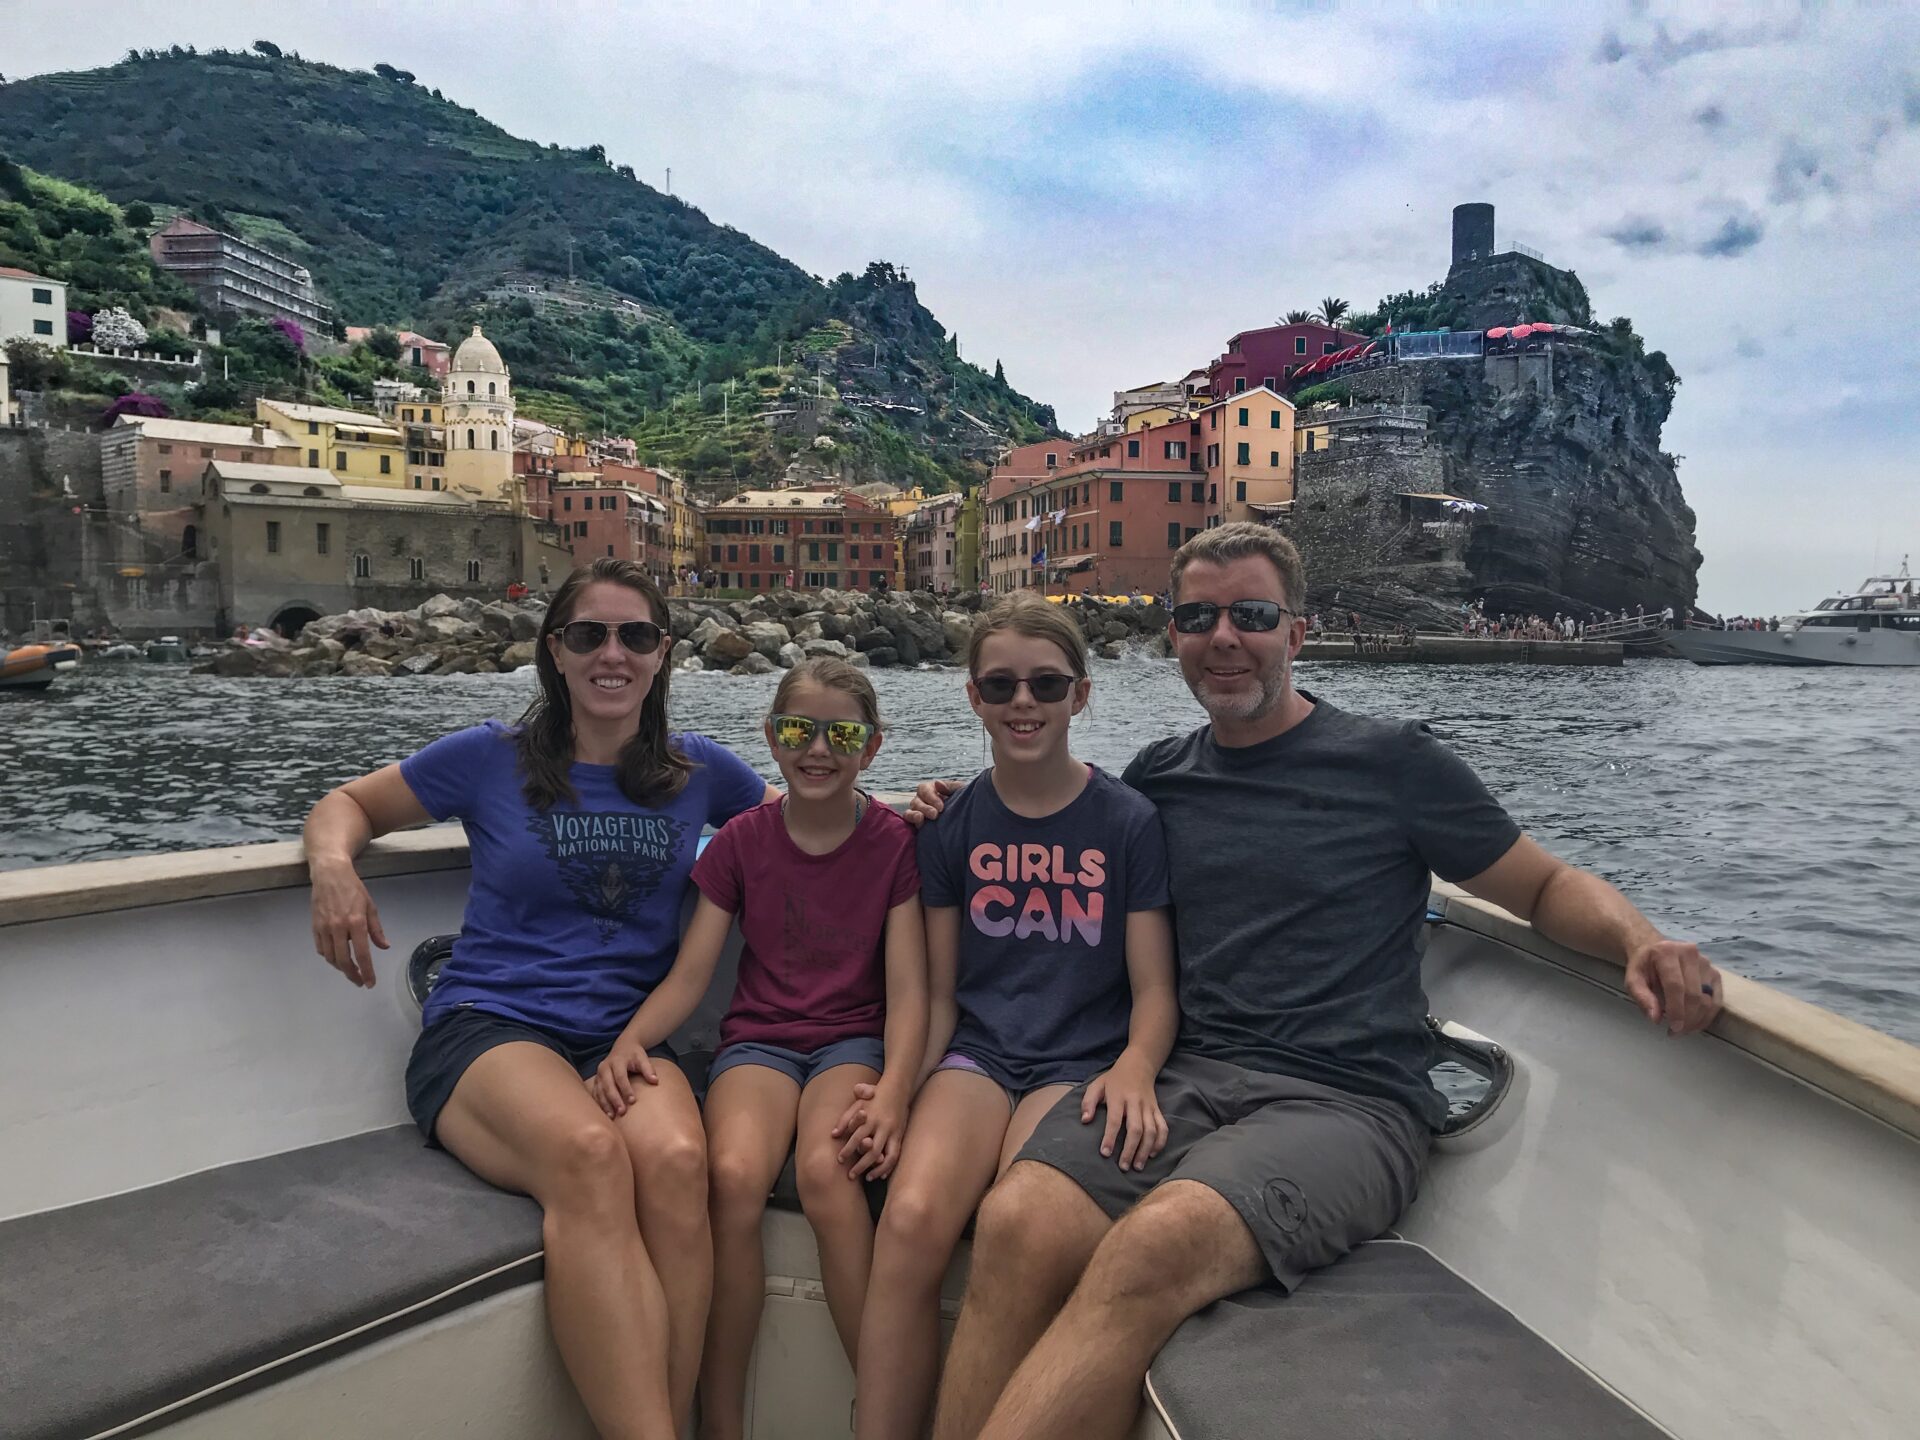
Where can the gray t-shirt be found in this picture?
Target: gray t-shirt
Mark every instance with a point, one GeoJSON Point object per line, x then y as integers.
{"type": "Point", "coordinates": [1042, 989]}
{"type": "Point", "coordinates": [1299, 869]}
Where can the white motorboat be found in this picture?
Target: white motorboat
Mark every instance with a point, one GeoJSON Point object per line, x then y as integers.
{"type": "Point", "coordinates": [216, 1220]}
{"type": "Point", "coordinates": [1878, 624]}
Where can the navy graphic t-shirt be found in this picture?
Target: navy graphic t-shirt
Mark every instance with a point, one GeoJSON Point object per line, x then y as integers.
{"type": "Point", "coordinates": [1042, 988]}
{"type": "Point", "coordinates": [573, 915]}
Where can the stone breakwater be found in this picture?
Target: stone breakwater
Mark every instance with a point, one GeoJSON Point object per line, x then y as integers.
{"type": "Point", "coordinates": [769, 632]}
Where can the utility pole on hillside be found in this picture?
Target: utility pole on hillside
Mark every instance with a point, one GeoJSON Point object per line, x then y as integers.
{"type": "Point", "coordinates": [669, 180]}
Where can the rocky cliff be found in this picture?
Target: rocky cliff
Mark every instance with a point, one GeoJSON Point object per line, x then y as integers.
{"type": "Point", "coordinates": [1561, 445]}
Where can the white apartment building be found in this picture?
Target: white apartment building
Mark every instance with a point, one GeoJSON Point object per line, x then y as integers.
{"type": "Point", "coordinates": [32, 307]}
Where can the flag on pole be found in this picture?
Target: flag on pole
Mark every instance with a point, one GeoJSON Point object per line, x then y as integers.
{"type": "Point", "coordinates": [1039, 557]}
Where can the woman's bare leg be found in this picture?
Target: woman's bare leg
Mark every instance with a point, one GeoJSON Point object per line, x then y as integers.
{"type": "Point", "coordinates": [750, 1118]}
{"type": "Point", "coordinates": [520, 1118]}
{"type": "Point", "coordinates": [667, 1145]}
{"type": "Point", "coordinates": [952, 1149]}
{"type": "Point", "coordinates": [835, 1205]}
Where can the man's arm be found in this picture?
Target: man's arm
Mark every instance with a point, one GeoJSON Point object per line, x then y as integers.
{"type": "Point", "coordinates": [1670, 980]}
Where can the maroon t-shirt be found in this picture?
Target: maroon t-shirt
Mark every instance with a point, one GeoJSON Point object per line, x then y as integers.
{"type": "Point", "coordinates": [813, 962]}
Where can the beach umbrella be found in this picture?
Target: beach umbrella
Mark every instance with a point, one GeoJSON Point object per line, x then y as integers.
{"type": "Point", "coordinates": [1498, 332]}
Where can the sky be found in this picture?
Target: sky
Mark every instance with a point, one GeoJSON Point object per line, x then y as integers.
{"type": "Point", "coordinates": [1098, 195]}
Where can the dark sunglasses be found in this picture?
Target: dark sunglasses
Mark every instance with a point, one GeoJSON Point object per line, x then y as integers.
{"type": "Point", "coordinates": [796, 732]}
{"type": "Point", "coordinates": [583, 637]}
{"type": "Point", "coordinates": [1046, 689]}
{"type": "Point", "coordinates": [1198, 617]}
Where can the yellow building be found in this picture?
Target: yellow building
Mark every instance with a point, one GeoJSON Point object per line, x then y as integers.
{"type": "Point", "coordinates": [1154, 415]}
{"type": "Point", "coordinates": [478, 416]}
{"type": "Point", "coordinates": [1310, 431]}
{"type": "Point", "coordinates": [1247, 441]}
{"type": "Point", "coordinates": [356, 448]}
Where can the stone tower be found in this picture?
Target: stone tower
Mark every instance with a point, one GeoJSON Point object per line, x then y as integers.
{"type": "Point", "coordinates": [479, 404]}
{"type": "Point", "coordinates": [1472, 232]}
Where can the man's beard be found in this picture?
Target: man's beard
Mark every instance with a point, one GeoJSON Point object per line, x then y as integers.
{"type": "Point", "coordinates": [1245, 706]}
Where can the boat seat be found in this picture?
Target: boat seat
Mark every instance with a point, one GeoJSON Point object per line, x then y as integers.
{"type": "Point", "coordinates": [236, 1276]}
{"type": "Point", "coordinates": [1385, 1344]}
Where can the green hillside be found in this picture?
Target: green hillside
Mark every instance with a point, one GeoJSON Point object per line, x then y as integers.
{"type": "Point", "coordinates": [609, 299]}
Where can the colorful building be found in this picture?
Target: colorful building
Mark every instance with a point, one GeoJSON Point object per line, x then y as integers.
{"type": "Point", "coordinates": [604, 517]}
{"type": "Point", "coordinates": [150, 479]}
{"type": "Point", "coordinates": [1267, 356]}
{"type": "Point", "coordinates": [429, 355]}
{"type": "Point", "coordinates": [930, 542]}
{"type": "Point", "coordinates": [807, 539]}
{"type": "Point", "coordinates": [354, 447]}
{"type": "Point", "coordinates": [1246, 447]}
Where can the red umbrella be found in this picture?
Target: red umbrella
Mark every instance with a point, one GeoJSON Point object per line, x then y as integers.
{"type": "Point", "coordinates": [1497, 332]}
{"type": "Point", "coordinates": [1542, 325]}
{"type": "Point", "coordinates": [1520, 332]}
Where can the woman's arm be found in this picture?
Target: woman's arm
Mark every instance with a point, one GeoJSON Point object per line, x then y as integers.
{"type": "Point", "coordinates": [346, 926]}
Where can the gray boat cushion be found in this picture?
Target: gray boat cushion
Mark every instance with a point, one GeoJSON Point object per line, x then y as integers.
{"type": "Point", "coordinates": [1386, 1344]}
{"type": "Point", "coordinates": [116, 1310]}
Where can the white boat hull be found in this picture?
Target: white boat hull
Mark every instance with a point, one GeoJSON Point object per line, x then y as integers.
{"type": "Point", "coordinates": [1809, 645]}
{"type": "Point", "coordinates": [1721, 1230]}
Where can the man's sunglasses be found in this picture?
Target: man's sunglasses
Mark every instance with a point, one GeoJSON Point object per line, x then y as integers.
{"type": "Point", "coordinates": [1198, 617]}
{"type": "Point", "coordinates": [1047, 689]}
{"type": "Point", "coordinates": [796, 732]}
{"type": "Point", "coordinates": [583, 637]}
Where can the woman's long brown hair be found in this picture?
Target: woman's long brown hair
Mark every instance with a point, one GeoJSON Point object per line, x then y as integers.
{"type": "Point", "coordinates": [650, 770]}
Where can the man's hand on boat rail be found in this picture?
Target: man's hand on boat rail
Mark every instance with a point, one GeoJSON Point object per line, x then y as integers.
{"type": "Point", "coordinates": [346, 926]}
{"type": "Point", "coordinates": [929, 799]}
{"type": "Point", "coordinates": [1674, 984]}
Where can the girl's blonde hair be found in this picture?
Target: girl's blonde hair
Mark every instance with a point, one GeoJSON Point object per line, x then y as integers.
{"type": "Point", "coordinates": [1027, 614]}
{"type": "Point", "coordinates": [829, 673]}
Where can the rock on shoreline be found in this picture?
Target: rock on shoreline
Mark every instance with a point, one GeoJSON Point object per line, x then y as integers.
{"type": "Point", "coordinates": [773, 631]}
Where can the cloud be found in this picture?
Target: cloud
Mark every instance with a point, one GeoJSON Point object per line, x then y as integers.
{"type": "Point", "coordinates": [1797, 174]}
{"type": "Point", "coordinates": [1639, 234]}
{"type": "Point", "coordinates": [1737, 235]}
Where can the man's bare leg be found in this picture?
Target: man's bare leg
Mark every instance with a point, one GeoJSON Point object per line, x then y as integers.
{"type": "Point", "coordinates": [1035, 1233]}
{"type": "Point", "coordinates": [1180, 1249]}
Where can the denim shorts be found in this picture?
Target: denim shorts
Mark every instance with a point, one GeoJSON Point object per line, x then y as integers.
{"type": "Point", "coordinates": [799, 1066]}
{"type": "Point", "coordinates": [458, 1038]}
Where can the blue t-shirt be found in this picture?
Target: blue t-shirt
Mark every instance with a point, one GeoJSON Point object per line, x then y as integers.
{"type": "Point", "coordinates": [573, 914]}
{"type": "Point", "coordinates": [1042, 989]}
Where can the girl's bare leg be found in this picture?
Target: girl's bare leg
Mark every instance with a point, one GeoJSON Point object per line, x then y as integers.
{"type": "Point", "coordinates": [835, 1205]}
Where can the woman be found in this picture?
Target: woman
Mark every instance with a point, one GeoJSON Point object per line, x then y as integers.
{"type": "Point", "coordinates": [583, 822]}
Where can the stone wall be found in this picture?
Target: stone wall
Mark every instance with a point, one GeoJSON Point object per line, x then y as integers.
{"type": "Point", "coordinates": [48, 480]}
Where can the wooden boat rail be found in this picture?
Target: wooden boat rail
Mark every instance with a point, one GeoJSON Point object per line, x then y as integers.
{"type": "Point", "coordinates": [1873, 1072]}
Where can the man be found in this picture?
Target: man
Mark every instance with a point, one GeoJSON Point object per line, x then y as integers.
{"type": "Point", "coordinates": [1301, 839]}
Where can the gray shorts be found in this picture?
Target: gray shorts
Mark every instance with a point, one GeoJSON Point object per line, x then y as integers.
{"type": "Point", "coordinates": [800, 1066]}
{"type": "Point", "coordinates": [1313, 1171]}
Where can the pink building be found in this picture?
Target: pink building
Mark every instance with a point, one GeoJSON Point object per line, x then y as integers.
{"type": "Point", "coordinates": [430, 355]}
{"type": "Point", "coordinates": [1267, 356]}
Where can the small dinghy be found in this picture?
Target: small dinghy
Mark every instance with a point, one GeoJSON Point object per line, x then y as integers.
{"type": "Point", "coordinates": [217, 1221]}
{"type": "Point", "coordinates": [168, 649]}
{"type": "Point", "coordinates": [35, 667]}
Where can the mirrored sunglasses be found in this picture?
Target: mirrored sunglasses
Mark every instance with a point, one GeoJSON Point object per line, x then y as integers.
{"type": "Point", "coordinates": [796, 732]}
{"type": "Point", "coordinates": [1198, 617]}
{"type": "Point", "coordinates": [583, 637]}
{"type": "Point", "coordinates": [1046, 689]}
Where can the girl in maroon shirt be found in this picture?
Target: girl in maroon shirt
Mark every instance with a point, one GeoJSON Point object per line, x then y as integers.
{"type": "Point", "coordinates": [832, 993]}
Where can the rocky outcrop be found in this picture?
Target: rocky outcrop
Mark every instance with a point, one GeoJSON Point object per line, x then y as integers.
{"type": "Point", "coordinates": [770, 632]}
{"type": "Point", "coordinates": [1583, 510]}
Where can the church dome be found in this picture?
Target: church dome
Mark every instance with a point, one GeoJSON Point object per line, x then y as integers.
{"type": "Point", "coordinates": [476, 354]}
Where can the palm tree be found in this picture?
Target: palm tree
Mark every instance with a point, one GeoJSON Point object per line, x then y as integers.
{"type": "Point", "coordinates": [1331, 310]}
{"type": "Point", "coordinates": [1297, 317]}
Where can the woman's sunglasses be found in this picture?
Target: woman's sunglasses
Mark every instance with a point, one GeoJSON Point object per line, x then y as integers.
{"type": "Point", "coordinates": [1198, 617]}
{"type": "Point", "coordinates": [1047, 689]}
{"type": "Point", "coordinates": [583, 637]}
{"type": "Point", "coordinates": [796, 732]}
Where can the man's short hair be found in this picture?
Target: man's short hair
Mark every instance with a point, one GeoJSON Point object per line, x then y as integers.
{"type": "Point", "coordinates": [1236, 542]}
